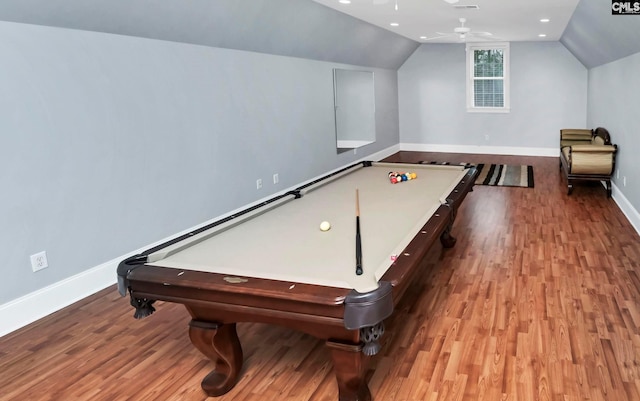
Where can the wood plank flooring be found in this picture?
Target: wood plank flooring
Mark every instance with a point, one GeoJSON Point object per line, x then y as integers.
{"type": "Point", "coordinates": [538, 300]}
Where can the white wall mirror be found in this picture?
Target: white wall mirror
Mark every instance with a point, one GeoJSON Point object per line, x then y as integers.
{"type": "Point", "coordinates": [354, 104]}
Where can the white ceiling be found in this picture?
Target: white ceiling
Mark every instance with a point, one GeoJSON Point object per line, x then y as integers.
{"type": "Point", "coordinates": [506, 20]}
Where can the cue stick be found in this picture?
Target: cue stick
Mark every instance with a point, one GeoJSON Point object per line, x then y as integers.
{"type": "Point", "coordinates": [358, 242]}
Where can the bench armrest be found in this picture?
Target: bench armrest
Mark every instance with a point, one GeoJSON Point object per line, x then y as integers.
{"type": "Point", "coordinates": [593, 148]}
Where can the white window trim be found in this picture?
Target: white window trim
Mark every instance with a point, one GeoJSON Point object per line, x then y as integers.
{"type": "Point", "coordinates": [507, 98]}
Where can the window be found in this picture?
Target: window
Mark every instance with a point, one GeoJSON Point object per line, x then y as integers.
{"type": "Point", "coordinates": [488, 77]}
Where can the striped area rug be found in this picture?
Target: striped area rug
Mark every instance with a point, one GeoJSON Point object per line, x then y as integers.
{"type": "Point", "coordinates": [503, 175]}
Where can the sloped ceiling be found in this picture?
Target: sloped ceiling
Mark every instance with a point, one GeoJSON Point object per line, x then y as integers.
{"type": "Point", "coordinates": [434, 21]}
{"type": "Point", "coordinates": [596, 37]}
{"type": "Point", "coordinates": [296, 28]}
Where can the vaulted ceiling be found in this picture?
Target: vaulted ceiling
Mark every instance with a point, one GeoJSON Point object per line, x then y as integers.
{"type": "Point", "coordinates": [434, 21]}
{"type": "Point", "coordinates": [297, 28]}
{"type": "Point", "coordinates": [309, 29]}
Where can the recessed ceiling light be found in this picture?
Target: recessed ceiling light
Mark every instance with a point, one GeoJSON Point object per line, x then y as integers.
{"type": "Point", "coordinates": [545, 20]}
{"type": "Point", "coordinates": [423, 37]}
{"type": "Point", "coordinates": [543, 35]}
{"type": "Point", "coordinates": [466, 7]}
{"type": "Point", "coordinates": [394, 24]}
{"type": "Point", "coordinates": [344, 1]}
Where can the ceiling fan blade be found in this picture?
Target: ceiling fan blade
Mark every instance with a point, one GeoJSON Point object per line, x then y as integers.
{"type": "Point", "coordinates": [436, 37]}
{"type": "Point", "coordinates": [482, 38]}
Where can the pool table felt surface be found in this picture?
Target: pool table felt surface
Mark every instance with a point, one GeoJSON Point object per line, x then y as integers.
{"type": "Point", "coordinates": [283, 240]}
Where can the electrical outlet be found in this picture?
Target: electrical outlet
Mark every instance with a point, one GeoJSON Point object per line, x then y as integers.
{"type": "Point", "coordinates": [624, 181]}
{"type": "Point", "coordinates": [486, 137]}
{"type": "Point", "coordinates": [259, 183]}
{"type": "Point", "coordinates": [276, 178]}
{"type": "Point", "coordinates": [39, 261]}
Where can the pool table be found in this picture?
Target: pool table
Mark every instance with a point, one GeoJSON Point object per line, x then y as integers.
{"type": "Point", "coordinates": [271, 263]}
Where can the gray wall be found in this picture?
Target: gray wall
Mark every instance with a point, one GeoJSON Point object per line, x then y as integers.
{"type": "Point", "coordinates": [614, 103]}
{"type": "Point", "coordinates": [110, 143]}
{"type": "Point", "coordinates": [548, 91]}
{"type": "Point", "coordinates": [99, 132]}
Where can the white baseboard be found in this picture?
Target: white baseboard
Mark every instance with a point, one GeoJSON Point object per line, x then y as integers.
{"type": "Point", "coordinates": [38, 304]}
{"type": "Point", "coordinates": [627, 208]}
{"type": "Point", "coordinates": [491, 150]}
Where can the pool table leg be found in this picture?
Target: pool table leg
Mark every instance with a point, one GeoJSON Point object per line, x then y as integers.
{"type": "Point", "coordinates": [220, 343]}
{"type": "Point", "coordinates": [446, 239]}
{"type": "Point", "coordinates": [349, 364]}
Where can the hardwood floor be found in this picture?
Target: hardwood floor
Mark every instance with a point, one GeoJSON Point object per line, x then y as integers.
{"type": "Point", "coordinates": [538, 300]}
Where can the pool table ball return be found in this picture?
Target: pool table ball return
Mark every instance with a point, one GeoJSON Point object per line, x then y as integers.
{"type": "Point", "coordinates": [273, 264]}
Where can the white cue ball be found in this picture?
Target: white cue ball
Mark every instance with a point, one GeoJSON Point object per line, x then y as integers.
{"type": "Point", "coordinates": [325, 226]}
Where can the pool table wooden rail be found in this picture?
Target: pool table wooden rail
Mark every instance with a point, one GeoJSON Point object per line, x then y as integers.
{"type": "Point", "coordinates": [439, 226]}
{"type": "Point", "coordinates": [215, 310]}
